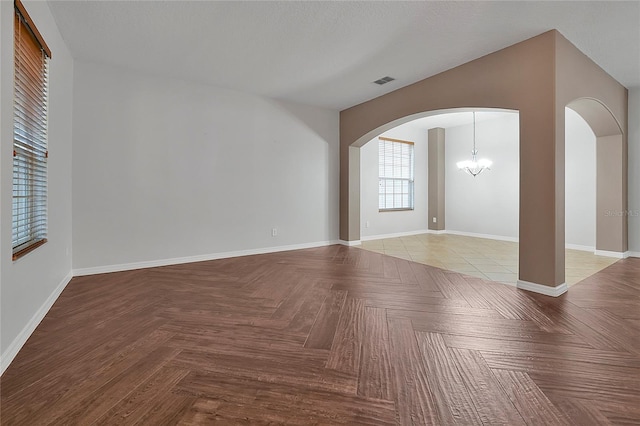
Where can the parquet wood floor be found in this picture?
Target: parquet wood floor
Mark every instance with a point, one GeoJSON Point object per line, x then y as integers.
{"type": "Point", "coordinates": [332, 335]}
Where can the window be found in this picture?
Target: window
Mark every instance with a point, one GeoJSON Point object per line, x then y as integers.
{"type": "Point", "coordinates": [395, 173]}
{"type": "Point", "coordinates": [29, 135]}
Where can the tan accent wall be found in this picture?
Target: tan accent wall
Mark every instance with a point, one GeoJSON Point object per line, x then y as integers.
{"type": "Point", "coordinates": [521, 77]}
{"type": "Point", "coordinates": [354, 195]}
{"type": "Point", "coordinates": [611, 208]}
{"type": "Point", "coordinates": [603, 103]}
{"type": "Point", "coordinates": [436, 206]}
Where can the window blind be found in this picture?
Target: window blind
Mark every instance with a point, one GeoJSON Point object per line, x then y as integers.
{"type": "Point", "coordinates": [29, 135]}
{"type": "Point", "coordinates": [395, 174]}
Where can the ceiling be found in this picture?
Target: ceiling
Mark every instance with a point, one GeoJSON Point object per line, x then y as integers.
{"type": "Point", "coordinates": [328, 53]}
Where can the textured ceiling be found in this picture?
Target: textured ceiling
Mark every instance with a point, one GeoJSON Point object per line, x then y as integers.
{"type": "Point", "coordinates": [328, 53]}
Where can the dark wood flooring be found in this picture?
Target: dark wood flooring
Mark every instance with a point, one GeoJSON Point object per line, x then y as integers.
{"type": "Point", "coordinates": [332, 335]}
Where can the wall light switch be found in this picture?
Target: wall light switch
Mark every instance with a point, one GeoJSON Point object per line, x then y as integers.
{"type": "Point", "coordinates": [366, 224]}
{"type": "Point", "coordinates": [274, 232]}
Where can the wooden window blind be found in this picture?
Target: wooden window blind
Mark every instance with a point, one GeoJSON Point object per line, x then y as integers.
{"type": "Point", "coordinates": [29, 135]}
{"type": "Point", "coordinates": [395, 174]}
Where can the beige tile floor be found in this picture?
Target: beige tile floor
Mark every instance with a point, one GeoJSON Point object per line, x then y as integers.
{"type": "Point", "coordinates": [480, 257]}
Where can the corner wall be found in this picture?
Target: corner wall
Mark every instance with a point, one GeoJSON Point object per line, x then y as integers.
{"type": "Point", "coordinates": [167, 171]}
{"type": "Point", "coordinates": [30, 285]}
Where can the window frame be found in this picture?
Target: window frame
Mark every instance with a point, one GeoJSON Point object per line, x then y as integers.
{"type": "Point", "coordinates": [383, 179]}
{"type": "Point", "coordinates": [30, 136]}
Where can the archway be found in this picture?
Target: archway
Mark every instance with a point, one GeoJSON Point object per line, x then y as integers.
{"type": "Point", "coordinates": [493, 195]}
{"type": "Point", "coordinates": [611, 183]}
{"type": "Point", "coordinates": [537, 77]}
{"type": "Point", "coordinates": [456, 222]}
{"type": "Point", "coordinates": [353, 230]}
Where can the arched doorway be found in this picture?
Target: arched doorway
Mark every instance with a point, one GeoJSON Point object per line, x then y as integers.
{"type": "Point", "coordinates": [537, 77]}
{"type": "Point", "coordinates": [457, 222]}
{"type": "Point", "coordinates": [611, 191]}
{"type": "Point", "coordinates": [482, 206]}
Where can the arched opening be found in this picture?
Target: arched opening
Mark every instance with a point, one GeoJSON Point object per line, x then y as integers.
{"type": "Point", "coordinates": [458, 222]}
{"type": "Point", "coordinates": [537, 77]}
{"type": "Point", "coordinates": [354, 160]}
{"type": "Point", "coordinates": [610, 175]}
{"type": "Point", "coordinates": [580, 201]}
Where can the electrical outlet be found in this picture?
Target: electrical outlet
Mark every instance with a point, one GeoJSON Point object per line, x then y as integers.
{"type": "Point", "coordinates": [366, 224]}
{"type": "Point", "coordinates": [434, 220]}
{"type": "Point", "coordinates": [274, 232]}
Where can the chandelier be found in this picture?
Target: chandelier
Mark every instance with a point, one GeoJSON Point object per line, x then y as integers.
{"type": "Point", "coordinates": [474, 166]}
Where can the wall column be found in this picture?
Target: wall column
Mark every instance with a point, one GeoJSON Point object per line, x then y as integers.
{"type": "Point", "coordinates": [350, 194]}
{"type": "Point", "coordinates": [436, 179]}
{"type": "Point", "coordinates": [611, 212]}
{"type": "Point", "coordinates": [541, 228]}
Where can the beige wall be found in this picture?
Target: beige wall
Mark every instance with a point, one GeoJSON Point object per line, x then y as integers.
{"type": "Point", "coordinates": [521, 77]}
{"type": "Point", "coordinates": [611, 207]}
{"type": "Point", "coordinates": [436, 179]}
{"type": "Point", "coordinates": [603, 103]}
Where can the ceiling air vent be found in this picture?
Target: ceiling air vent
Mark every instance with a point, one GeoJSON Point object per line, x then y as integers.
{"type": "Point", "coordinates": [384, 80]}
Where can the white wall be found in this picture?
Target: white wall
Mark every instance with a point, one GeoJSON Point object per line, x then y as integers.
{"type": "Point", "coordinates": [580, 182]}
{"type": "Point", "coordinates": [30, 285]}
{"type": "Point", "coordinates": [395, 222]}
{"type": "Point", "coordinates": [167, 169]}
{"type": "Point", "coordinates": [634, 171]}
{"type": "Point", "coordinates": [488, 203]}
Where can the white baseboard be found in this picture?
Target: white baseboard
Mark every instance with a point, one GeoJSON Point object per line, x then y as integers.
{"type": "Point", "coordinates": [590, 249]}
{"type": "Point", "coordinates": [350, 243]}
{"type": "Point", "coordinates": [543, 289]}
{"type": "Point", "coordinates": [397, 235]}
{"type": "Point", "coordinates": [616, 254]}
{"type": "Point", "coordinates": [487, 236]}
{"type": "Point", "coordinates": [10, 353]}
{"type": "Point", "coordinates": [634, 253]}
{"type": "Point", "coordinates": [199, 258]}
